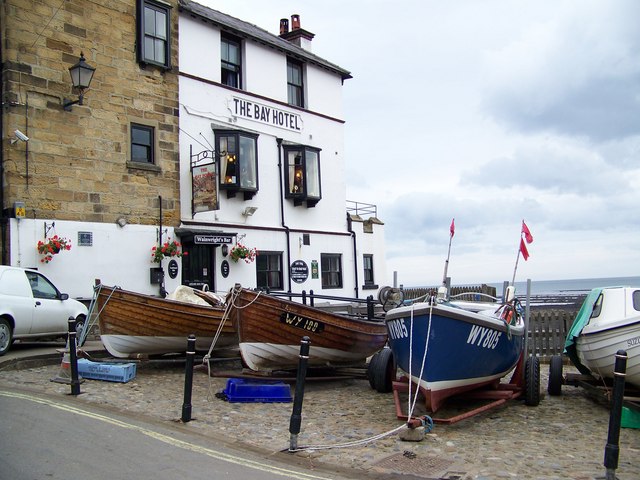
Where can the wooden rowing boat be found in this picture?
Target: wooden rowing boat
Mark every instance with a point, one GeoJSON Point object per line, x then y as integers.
{"type": "Point", "coordinates": [270, 330]}
{"type": "Point", "coordinates": [132, 324]}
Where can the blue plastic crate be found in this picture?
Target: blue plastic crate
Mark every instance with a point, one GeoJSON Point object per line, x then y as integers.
{"type": "Point", "coordinates": [111, 372]}
{"type": "Point", "coordinates": [245, 390]}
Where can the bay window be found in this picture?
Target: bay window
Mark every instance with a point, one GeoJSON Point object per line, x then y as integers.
{"type": "Point", "coordinates": [238, 162]}
{"type": "Point", "coordinates": [302, 175]}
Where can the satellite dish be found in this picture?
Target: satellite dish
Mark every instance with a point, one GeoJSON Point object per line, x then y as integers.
{"type": "Point", "coordinates": [390, 298]}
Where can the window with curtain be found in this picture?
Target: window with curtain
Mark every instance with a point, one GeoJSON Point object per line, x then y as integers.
{"type": "Point", "coordinates": [269, 270]}
{"type": "Point", "coordinates": [302, 175]}
{"type": "Point", "coordinates": [238, 162]}
{"type": "Point", "coordinates": [331, 267]}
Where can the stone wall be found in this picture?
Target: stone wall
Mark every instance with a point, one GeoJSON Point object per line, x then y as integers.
{"type": "Point", "coordinates": [75, 165]}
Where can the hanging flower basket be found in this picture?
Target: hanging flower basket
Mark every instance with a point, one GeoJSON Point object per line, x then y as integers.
{"type": "Point", "coordinates": [52, 246]}
{"type": "Point", "coordinates": [240, 252]}
{"type": "Point", "coordinates": [167, 249]}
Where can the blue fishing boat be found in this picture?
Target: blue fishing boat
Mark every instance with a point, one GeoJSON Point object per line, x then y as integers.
{"type": "Point", "coordinates": [445, 349]}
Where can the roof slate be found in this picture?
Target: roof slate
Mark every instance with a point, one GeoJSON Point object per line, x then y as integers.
{"type": "Point", "coordinates": [247, 30]}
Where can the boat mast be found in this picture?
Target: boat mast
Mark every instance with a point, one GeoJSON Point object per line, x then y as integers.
{"type": "Point", "coordinates": [452, 231]}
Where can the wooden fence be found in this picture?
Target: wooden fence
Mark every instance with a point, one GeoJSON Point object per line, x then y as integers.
{"type": "Point", "coordinates": [547, 331]}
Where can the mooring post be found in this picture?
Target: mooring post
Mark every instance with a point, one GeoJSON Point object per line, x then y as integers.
{"type": "Point", "coordinates": [73, 357]}
{"type": "Point", "coordinates": [370, 311]}
{"type": "Point", "coordinates": [296, 415]}
{"type": "Point", "coordinates": [612, 450]}
{"type": "Point", "coordinates": [188, 378]}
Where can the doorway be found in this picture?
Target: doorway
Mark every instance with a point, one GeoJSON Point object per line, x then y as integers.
{"type": "Point", "coordinates": [198, 266]}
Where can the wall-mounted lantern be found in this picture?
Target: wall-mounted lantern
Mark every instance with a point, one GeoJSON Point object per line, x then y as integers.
{"type": "Point", "coordinates": [81, 75]}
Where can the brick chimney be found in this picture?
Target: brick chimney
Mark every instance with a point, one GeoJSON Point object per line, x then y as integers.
{"type": "Point", "coordinates": [298, 35]}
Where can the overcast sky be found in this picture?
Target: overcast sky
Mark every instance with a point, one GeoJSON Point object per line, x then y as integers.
{"type": "Point", "coordinates": [490, 113]}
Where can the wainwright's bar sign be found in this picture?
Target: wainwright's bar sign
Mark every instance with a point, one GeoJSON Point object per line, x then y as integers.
{"type": "Point", "coordinates": [265, 114]}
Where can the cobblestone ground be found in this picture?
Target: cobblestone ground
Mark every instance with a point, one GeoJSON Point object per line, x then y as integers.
{"type": "Point", "coordinates": [562, 438]}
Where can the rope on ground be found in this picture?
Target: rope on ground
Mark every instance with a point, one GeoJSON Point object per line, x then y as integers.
{"type": "Point", "coordinates": [355, 443]}
{"type": "Point", "coordinates": [412, 403]}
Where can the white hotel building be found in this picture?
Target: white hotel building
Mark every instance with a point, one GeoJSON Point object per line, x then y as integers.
{"type": "Point", "coordinates": [266, 114]}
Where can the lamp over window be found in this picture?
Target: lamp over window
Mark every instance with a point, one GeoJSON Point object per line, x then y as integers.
{"type": "Point", "coordinates": [81, 76]}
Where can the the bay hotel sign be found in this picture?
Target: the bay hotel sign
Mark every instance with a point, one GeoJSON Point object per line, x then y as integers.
{"type": "Point", "coordinates": [265, 114]}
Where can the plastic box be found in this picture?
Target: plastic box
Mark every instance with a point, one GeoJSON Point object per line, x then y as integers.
{"type": "Point", "coordinates": [630, 418]}
{"type": "Point", "coordinates": [244, 390]}
{"type": "Point", "coordinates": [111, 372]}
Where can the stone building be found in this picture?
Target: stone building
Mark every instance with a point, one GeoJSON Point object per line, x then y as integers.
{"type": "Point", "coordinates": [76, 176]}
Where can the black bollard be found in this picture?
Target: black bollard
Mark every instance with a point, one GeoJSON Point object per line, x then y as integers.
{"type": "Point", "coordinates": [73, 357]}
{"type": "Point", "coordinates": [370, 311]}
{"type": "Point", "coordinates": [296, 414]}
{"type": "Point", "coordinates": [612, 450]}
{"type": "Point", "coordinates": [188, 378]}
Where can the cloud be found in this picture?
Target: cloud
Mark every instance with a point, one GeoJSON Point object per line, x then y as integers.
{"type": "Point", "coordinates": [576, 74]}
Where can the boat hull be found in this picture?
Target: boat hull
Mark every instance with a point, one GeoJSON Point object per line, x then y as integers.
{"type": "Point", "coordinates": [597, 348]}
{"type": "Point", "coordinates": [608, 321]}
{"type": "Point", "coordinates": [270, 330]}
{"type": "Point", "coordinates": [465, 350]}
{"type": "Point", "coordinates": [132, 324]}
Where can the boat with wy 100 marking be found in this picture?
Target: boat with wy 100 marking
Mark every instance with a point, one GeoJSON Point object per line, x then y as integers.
{"type": "Point", "coordinates": [270, 330]}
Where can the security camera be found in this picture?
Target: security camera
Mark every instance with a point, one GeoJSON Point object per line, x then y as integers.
{"type": "Point", "coordinates": [21, 136]}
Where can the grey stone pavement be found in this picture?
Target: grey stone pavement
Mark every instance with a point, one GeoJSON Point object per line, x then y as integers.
{"type": "Point", "coordinates": [562, 438]}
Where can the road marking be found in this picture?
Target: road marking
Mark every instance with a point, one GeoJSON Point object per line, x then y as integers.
{"type": "Point", "coordinates": [168, 440]}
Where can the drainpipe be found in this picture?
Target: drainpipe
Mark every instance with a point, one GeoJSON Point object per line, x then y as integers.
{"type": "Point", "coordinates": [284, 225]}
{"type": "Point", "coordinates": [3, 218]}
{"type": "Point", "coordinates": [355, 254]}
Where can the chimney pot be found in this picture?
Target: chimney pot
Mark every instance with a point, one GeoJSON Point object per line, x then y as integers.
{"type": "Point", "coordinates": [295, 22]}
{"type": "Point", "coordinates": [284, 26]}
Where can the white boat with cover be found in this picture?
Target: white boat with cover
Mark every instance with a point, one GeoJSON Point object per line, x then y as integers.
{"type": "Point", "coordinates": [608, 321]}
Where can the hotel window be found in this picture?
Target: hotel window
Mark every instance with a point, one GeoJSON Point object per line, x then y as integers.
{"type": "Point", "coordinates": [142, 144]}
{"type": "Point", "coordinates": [367, 261]}
{"type": "Point", "coordinates": [269, 270]}
{"type": "Point", "coordinates": [302, 175]}
{"type": "Point", "coordinates": [331, 267]}
{"type": "Point", "coordinates": [238, 162]}
{"type": "Point", "coordinates": [295, 84]}
{"type": "Point", "coordinates": [154, 33]}
{"type": "Point", "coordinates": [231, 62]}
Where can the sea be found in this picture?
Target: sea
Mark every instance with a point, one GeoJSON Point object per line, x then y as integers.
{"type": "Point", "coordinates": [565, 293]}
{"type": "Point", "coordinates": [562, 293]}
{"type": "Point", "coordinates": [559, 288]}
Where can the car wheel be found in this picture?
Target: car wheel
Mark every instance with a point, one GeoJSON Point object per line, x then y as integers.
{"type": "Point", "coordinates": [80, 320]}
{"type": "Point", "coordinates": [6, 336]}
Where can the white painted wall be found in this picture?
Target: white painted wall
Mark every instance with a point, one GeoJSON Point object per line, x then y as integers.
{"type": "Point", "coordinates": [119, 255]}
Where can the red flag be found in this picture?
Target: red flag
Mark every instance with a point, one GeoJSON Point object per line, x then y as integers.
{"type": "Point", "coordinates": [527, 233]}
{"type": "Point", "coordinates": [523, 249]}
{"type": "Point", "coordinates": [452, 228]}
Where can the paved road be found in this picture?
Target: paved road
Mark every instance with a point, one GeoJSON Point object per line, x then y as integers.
{"type": "Point", "coordinates": [563, 438]}
{"type": "Point", "coordinates": [59, 438]}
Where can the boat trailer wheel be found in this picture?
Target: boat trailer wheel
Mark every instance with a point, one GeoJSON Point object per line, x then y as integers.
{"type": "Point", "coordinates": [556, 379]}
{"type": "Point", "coordinates": [532, 381]}
{"type": "Point", "coordinates": [381, 371]}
